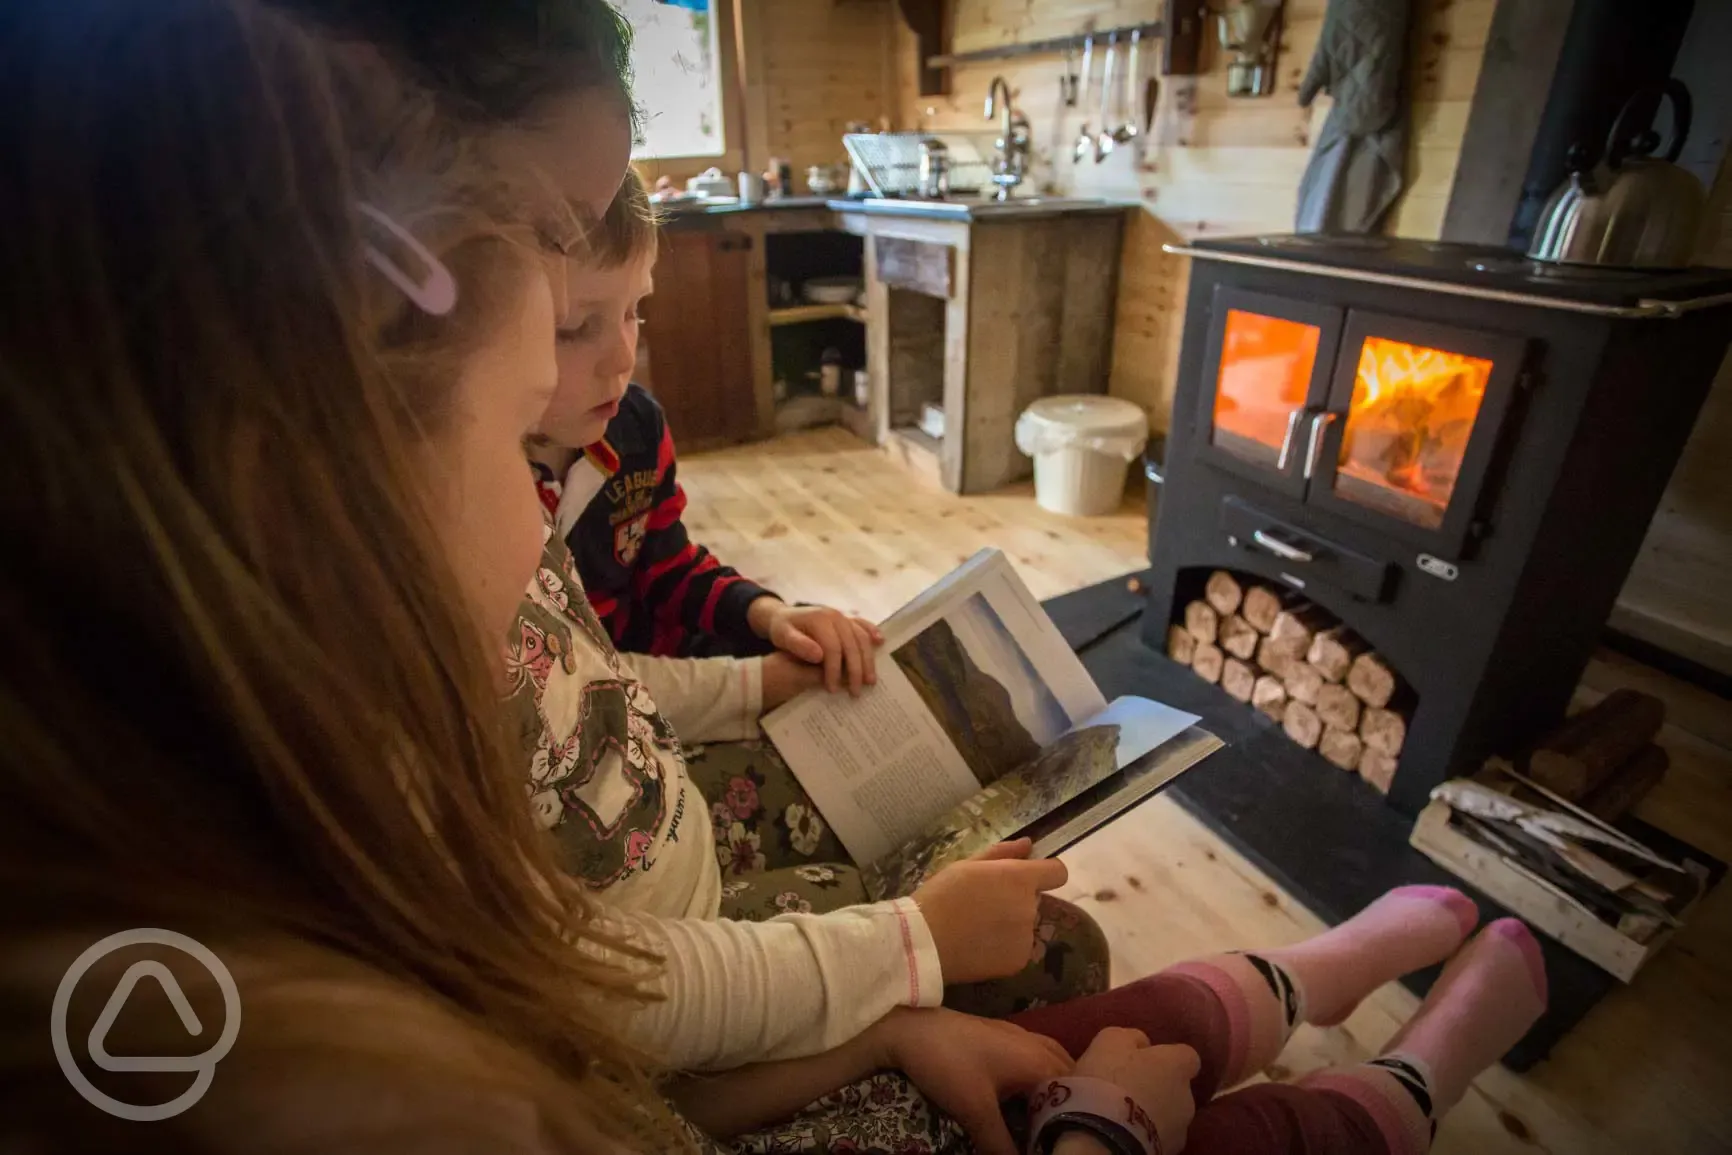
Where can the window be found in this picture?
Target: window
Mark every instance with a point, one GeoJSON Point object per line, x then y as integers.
{"type": "Point", "coordinates": [677, 76]}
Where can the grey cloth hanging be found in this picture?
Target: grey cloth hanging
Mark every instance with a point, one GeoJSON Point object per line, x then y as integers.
{"type": "Point", "coordinates": [1359, 163]}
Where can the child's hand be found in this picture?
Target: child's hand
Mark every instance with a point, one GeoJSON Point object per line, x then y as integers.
{"type": "Point", "coordinates": [1158, 1079]}
{"type": "Point", "coordinates": [786, 678]}
{"type": "Point", "coordinates": [821, 636]}
{"type": "Point", "coordinates": [968, 1066]}
{"type": "Point", "coordinates": [982, 912]}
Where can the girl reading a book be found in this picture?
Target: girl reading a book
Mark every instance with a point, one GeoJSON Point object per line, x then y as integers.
{"type": "Point", "coordinates": [605, 771]}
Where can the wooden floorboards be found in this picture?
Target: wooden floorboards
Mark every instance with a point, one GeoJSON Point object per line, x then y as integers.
{"type": "Point", "coordinates": [823, 517]}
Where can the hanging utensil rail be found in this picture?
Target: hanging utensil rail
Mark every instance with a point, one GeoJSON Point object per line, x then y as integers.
{"type": "Point", "coordinates": [1056, 45]}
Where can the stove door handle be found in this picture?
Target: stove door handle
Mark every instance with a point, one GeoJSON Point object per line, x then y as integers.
{"type": "Point", "coordinates": [1280, 548]}
{"type": "Point", "coordinates": [1314, 443]}
{"type": "Point", "coordinates": [1293, 420]}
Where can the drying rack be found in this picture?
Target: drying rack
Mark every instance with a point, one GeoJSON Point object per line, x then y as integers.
{"type": "Point", "coordinates": [890, 161]}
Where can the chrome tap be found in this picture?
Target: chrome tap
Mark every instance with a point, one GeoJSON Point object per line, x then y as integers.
{"type": "Point", "coordinates": [1011, 164]}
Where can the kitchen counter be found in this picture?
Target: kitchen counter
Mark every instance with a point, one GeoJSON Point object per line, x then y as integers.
{"type": "Point", "coordinates": [1017, 208]}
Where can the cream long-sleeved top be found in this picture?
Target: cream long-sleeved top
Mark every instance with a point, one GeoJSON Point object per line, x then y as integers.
{"type": "Point", "coordinates": [608, 779]}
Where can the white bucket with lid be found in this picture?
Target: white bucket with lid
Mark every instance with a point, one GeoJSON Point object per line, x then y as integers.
{"type": "Point", "coordinates": [1082, 445]}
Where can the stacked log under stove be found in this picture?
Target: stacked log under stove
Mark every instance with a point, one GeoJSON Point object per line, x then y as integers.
{"type": "Point", "coordinates": [1295, 662]}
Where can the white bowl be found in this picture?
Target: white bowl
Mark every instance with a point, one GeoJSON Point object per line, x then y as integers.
{"type": "Point", "coordinates": [831, 290]}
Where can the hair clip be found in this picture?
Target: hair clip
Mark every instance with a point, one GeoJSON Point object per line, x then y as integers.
{"type": "Point", "coordinates": [437, 294]}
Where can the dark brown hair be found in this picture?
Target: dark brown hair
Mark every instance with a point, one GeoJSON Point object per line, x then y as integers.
{"type": "Point", "coordinates": [496, 59]}
{"type": "Point", "coordinates": [242, 697]}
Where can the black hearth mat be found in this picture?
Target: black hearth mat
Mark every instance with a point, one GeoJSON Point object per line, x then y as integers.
{"type": "Point", "coordinates": [1090, 614]}
{"type": "Point", "coordinates": [1326, 837]}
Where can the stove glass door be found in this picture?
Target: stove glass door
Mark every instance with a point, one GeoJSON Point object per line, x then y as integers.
{"type": "Point", "coordinates": [1268, 367]}
{"type": "Point", "coordinates": [1265, 377]}
{"type": "Point", "coordinates": [1408, 435]}
{"type": "Point", "coordinates": [1408, 423]}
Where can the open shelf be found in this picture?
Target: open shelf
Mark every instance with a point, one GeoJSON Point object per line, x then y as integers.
{"type": "Point", "coordinates": [800, 314]}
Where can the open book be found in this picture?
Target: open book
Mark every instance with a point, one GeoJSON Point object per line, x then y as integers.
{"type": "Point", "coordinates": [983, 726]}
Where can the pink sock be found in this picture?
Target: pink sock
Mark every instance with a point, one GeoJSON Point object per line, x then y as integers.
{"type": "Point", "coordinates": [1485, 1001]}
{"type": "Point", "coordinates": [1322, 979]}
{"type": "Point", "coordinates": [1406, 930]}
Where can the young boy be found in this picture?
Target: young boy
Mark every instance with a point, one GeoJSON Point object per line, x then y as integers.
{"type": "Point", "coordinates": [605, 466]}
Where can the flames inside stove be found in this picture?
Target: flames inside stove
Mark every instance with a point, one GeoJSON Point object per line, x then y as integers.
{"type": "Point", "coordinates": [1408, 426]}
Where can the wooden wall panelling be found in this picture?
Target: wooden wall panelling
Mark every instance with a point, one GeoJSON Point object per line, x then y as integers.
{"type": "Point", "coordinates": [1677, 595]}
{"type": "Point", "coordinates": [823, 66]}
{"type": "Point", "coordinates": [1149, 325]}
{"type": "Point", "coordinates": [1521, 57]}
{"type": "Point", "coordinates": [752, 48]}
{"type": "Point", "coordinates": [1447, 51]}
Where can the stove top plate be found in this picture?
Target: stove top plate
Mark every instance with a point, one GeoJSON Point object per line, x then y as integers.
{"type": "Point", "coordinates": [1485, 266]}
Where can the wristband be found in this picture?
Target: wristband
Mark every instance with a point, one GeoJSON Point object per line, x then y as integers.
{"type": "Point", "coordinates": [1101, 1108]}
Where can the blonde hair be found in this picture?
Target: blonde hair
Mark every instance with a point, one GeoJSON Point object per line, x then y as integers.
{"type": "Point", "coordinates": [627, 232]}
{"type": "Point", "coordinates": [244, 698]}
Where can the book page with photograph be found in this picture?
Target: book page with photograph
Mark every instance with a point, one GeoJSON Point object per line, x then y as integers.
{"type": "Point", "coordinates": [1130, 734]}
{"type": "Point", "coordinates": [978, 681]}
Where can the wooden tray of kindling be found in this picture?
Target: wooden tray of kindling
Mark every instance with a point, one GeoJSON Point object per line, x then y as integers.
{"type": "Point", "coordinates": [1568, 905]}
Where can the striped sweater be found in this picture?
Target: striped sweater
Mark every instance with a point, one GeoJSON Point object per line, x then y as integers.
{"type": "Point", "coordinates": [620, 508]}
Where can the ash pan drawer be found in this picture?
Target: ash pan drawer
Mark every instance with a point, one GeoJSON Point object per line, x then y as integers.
{"type": "Point", "coordinates": [1304, 555]}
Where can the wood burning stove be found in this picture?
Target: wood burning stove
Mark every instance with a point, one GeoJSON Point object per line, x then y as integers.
{"type": "Point", "coordinates": [1452, 450]}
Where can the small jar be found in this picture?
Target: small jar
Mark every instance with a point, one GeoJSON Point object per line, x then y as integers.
{"type": "Point", "coordinates": [830, 373]}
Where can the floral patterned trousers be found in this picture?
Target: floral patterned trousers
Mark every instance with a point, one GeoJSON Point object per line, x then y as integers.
{"type": "Point", "coordinates": [779, 856]}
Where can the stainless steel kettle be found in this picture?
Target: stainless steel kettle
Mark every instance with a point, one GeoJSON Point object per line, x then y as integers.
{"type": "Point", "coordinates": [1632, 210]}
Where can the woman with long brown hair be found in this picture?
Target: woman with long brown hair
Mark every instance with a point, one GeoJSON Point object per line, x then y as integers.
{"type": "Point", "coordinates": [247, 693]}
